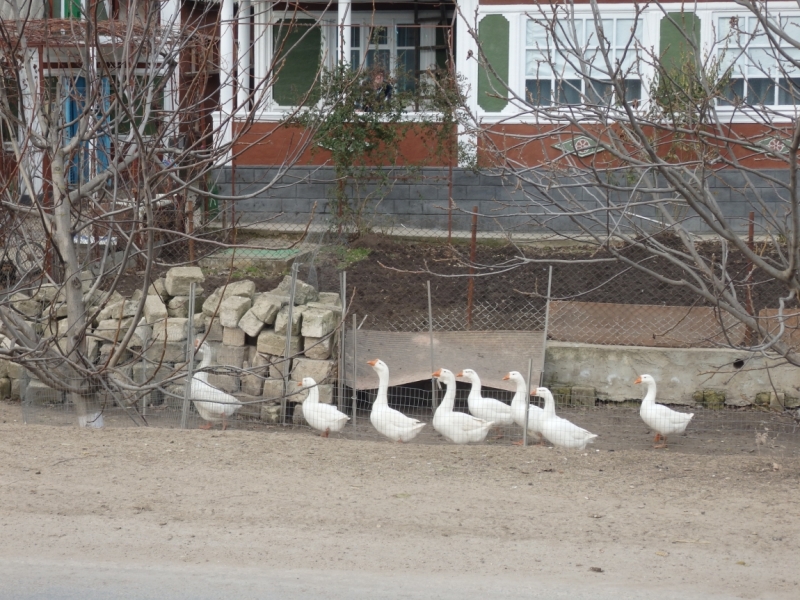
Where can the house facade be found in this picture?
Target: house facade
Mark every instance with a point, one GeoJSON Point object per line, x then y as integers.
{"type": "Point", "coordinates": [519, 68]}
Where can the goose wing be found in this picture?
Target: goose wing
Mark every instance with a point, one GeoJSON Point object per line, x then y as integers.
{"type": "Point", "coordinates": [394, 418]}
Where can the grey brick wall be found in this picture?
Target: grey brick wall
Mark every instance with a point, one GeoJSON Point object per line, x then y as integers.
{"type": "Point", "coordinates": [419, 200]}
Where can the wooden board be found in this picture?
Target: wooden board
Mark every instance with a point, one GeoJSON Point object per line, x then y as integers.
{"type": "Point", "coordinates": [491, 354]}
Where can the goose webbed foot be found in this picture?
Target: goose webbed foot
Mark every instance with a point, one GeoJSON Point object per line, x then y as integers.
{"type": "Point", "coordinates": [206, 426]}
{"type": "Point", "coordinates": [325, 433]}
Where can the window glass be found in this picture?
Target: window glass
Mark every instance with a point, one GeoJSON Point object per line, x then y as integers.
{"type": "Point", "coordinates": [568, 61]}
{"type": "Point", "coordinates": [758, 68]}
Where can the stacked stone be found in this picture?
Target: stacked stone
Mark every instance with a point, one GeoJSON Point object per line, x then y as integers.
{"type": "Point", "coordinates": [249, 332]}
{"type": "Point", "coordinates": [45, 311]}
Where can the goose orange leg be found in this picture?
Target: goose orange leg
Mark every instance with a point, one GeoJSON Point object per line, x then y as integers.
{"type": "Point", "coordinates": [224, 421]}
{"type": "Point", "coordinates": [657, 438]}
{"type": "Point", "coordinates": [207, 426]}
{"type": "Point", "coordinates": [325, 433]}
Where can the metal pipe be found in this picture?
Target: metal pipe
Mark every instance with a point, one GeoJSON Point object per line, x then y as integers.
{"type": "Point", "coordinates": [287, 352]}
{"type": "Point", "coordinates": [190, 350]}
{"type": "Point", "coordinates": [546, 323]}
{"type": "Point", "coordinates": [355, 367]}
{"type": "Point", "coordinates": [434, 395]}
{"type": "Point", "coordinates": [527, 403]}
{"type": "Point", "coordinates": [342, 329]}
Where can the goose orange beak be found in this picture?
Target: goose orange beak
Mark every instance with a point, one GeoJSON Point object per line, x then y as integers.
{"type": "Point", "coordinates": [460, 374]}
{"type": "Point", "coordinates": [300, 384]}
{"type": "Point", "coordinates": [638, 380]}
{"type": "Point", "coordinates": [372, 363]}
{"type": "Point", "coordinates": [437, 374]}
{"type": "Point", "coordinates": [507, 377]}
{"type": "Point", "coordinates": [197, 343]}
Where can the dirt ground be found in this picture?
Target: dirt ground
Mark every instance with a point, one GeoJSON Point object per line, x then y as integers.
{"type": "Point", "coordinates": [659, 521]}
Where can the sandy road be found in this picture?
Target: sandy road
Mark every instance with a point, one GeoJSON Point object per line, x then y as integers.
{"type": "Point", "coordinates": [255, 510]}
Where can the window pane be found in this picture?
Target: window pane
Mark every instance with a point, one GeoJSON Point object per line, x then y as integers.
{"type": "Point", "coordinates": [633, 90]}
{"type": "Point", "coordinates": [538, 92]}
{"type": "Point", "coordinates": [355, 37]}
{"type": "Point", "coordinates": [378, 59]}
{"type": "Point", "coordinates": [379, 36]}
{"type": "Point", "coordinates": [625, 32]}
{"type": "Point", "coordinates": [599, 92]}
{"type": "Point", "coordinates": [791, 25]}
{"type": "Point", "coordinates": [407, 37]}
{"type": "Point", "coordinates": [535, 35]}
{"type": "Point", "coordinates": [733, 93]}
{"type": "Point", "coordinates": [789, 91]}
{"type": "Point", "coordinates": [536, 64]}
{"type": "Point", "coordinates": [762, 62]}
{"type": "Point", "coordinates": [568, 91]}
{"type": "Point", "coordinates": [760, 91]}
{"type": "Point", "coordinates": [355, 59]}
{"type": "Point", "coordinates": [406, 69]}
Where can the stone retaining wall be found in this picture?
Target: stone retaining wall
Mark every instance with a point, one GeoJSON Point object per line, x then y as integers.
{"type": "Point", "coordinates": [420, 199]}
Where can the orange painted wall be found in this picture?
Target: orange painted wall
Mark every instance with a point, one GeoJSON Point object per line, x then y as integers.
{"type": "Point", "coordinates": [533, 145]}
{"type": "Point", "coordinates": [263, 144]}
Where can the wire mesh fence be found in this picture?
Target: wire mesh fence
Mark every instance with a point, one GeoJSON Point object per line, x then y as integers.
{"type": "Point", "coordinates": [410, 319]}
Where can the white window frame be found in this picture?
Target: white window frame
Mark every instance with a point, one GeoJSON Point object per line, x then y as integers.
{"type": "Point", "coordinates": [263, 35]}
{"type": "Point", "coordinates": [745, 69]}
{"type": "Point", "coordinates": [518, 111]}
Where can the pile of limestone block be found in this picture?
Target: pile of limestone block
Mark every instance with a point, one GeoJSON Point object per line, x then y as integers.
{"type": "Point", "coordinates": [248, 331]}
{"type": "Point", "coordinates": [245, 329]}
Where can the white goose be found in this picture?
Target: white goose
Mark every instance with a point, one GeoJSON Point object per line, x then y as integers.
{"type": "Point", "coordinates": [521, 399]}
{"type": "Point", "coordinates": [488, 409]}
{"type": "Point", "coordinates": [663, 420]}
{"type": "Point", "coordinates": [457, 427]}
{"type": "Point", "coordinates": [390, 422]}
{"type": "Point", "coordinates": [213, 404]}
{"type": "Point", "coordinates": [322, 417]}
{"type": "Point", "coordinates": [558, 431]}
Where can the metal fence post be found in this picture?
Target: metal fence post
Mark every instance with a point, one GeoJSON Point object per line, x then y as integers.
{"type": "Point", "coordinates": [189, 358]}
{"type": "Point", "coordinates": [342, 340]}
{"type": "Point", "coordinates": [527, 403]}
{"type": "Point", "coordinates": [546, 324]}
{"type": "Point", "coordinates": [355, 368]}
{"type": "Point", "coordinates": [287, 353]}
{"type": "Point", "coordinates": [434, 395]}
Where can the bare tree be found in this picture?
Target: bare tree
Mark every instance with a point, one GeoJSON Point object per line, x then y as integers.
{"type": "Point", "coordinates": [656, 156]}
{"type": "Point", "coordinates": [115, 119]}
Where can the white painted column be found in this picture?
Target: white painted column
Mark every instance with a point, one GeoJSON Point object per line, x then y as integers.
{"type": "Point", "coordinates": [262, 53]}
{"type": "Point", "coordinates": [171, 18]}
{"type": "Point", "coordinates": [345, 19]}
{"type": "Point", "coordinates": [466, 57]}
{"type": "Point", "coordinates": [30, 104]}
{"type": "Point", "coordinates": [243, 57]}
{"type": "Point", "coordinates": [226, 73]}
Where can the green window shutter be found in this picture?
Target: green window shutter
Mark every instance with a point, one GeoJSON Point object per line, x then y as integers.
{"type": "Point", "coordinates": [676, 50]}
{"type": "Point", "coordinates": [493, 32]}
{"type": "Point", "coordinates": [72, 8]}
{"type": "Point", "coordinates": [298, 48]}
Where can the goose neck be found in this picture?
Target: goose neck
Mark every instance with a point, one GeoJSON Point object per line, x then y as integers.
{"type": "Point", "coordinates": [383, 389]}
{"type": "Point", "coordinates": [549, 405]}
{"type": "Point", "coordinates": [521, 394]}
{"type": "Point", "coordinates": [448, 402]}
{"type": "Point", "coordinates": [475, 390]}
{"type": "Point", "coordinates": [650, 394]}
{"type": "Point", "coordinates": [313, 396]}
